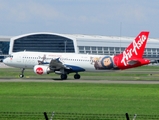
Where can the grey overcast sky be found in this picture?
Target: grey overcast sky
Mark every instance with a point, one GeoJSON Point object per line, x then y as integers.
{"type": "Point", "coordinates": [92, 17]}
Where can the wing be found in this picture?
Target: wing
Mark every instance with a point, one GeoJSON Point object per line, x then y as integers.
{"type": "Point", "coordinates": [58, 67]}
{"type": "Point", "coordinates": [56, 64]}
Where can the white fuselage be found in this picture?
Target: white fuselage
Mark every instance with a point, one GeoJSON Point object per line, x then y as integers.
{"type": "Point", "coordinates": [30, 59]}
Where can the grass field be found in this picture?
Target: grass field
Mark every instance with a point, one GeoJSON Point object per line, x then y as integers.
{"type": "Point", "coordinates": [81, 97]}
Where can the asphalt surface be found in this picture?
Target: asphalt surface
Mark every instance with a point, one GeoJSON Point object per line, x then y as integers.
{"type": "Point", "coordinates": [2, 65]}
{"type": "Point", "coordinates": [83, 81]}
{"type": "Point", "coordinates": [77, 81]}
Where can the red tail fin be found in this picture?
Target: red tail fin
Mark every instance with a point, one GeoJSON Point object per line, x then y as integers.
{"type": "Point", "coordinates": [135, 50]}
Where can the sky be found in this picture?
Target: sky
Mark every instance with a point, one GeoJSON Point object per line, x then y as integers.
{"type": "Point", "coordinates": [90, 17]}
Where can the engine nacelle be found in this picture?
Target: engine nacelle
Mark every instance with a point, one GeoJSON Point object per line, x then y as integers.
{"type": "Point", "coordinates": [41, 69]}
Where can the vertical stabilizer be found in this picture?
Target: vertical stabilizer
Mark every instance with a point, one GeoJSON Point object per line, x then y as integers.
{"type": "Point", "coordinates": [134, 51]}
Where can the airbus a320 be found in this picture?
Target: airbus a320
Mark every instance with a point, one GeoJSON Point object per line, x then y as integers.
{"type": "Point", "coordinates": [66, 63]}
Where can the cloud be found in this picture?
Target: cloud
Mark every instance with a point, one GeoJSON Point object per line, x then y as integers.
{"type": "Point", "coordinates": [130, 14]}
{"type": "Point", "coordinates": [72, 11]}
{"type": "Point", "coordinates": [78, 16]}
{"type": "Point", "coordinates": [23, 11]}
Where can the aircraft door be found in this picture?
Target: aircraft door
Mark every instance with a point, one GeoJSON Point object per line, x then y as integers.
{"type": "Point", "coordinates": [116, 62]}
{"type": "Point", "coordinates": [19, 61]}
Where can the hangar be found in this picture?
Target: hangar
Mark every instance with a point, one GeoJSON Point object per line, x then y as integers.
{"type": "Point", "coordinates": [77, 43]}
{"type": "Point", "coordinates": [73, 43]}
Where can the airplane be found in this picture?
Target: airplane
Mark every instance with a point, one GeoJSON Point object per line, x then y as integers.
{"type": "Point", "coordinates": [65, 63]}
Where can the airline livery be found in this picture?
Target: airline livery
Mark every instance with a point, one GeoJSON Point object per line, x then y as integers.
{"type": "Point", "coordinates": [65, 63]}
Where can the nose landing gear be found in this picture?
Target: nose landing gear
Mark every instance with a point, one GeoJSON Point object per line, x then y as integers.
{"type": "Point", "coordinates": [22, 73]}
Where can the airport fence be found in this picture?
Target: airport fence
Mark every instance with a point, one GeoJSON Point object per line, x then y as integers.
{"type": "Point", "coordinates": [72, 116]}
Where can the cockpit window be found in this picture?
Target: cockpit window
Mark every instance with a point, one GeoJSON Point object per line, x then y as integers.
{"type": "Point", "coordinates": [11, 56]}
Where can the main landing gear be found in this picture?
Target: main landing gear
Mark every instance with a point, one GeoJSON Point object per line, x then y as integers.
{"type": "Point", "coordinates": [77, 76]}
{"type": "Point", "coordinates": [22, 73]}
{"type": "Point", "coordinates": [64, 76]}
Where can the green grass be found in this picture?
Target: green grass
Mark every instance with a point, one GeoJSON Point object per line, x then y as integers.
{"type": "Point", "coordinates": [79, 98]}
{"type": "Point", "coordinates": [140, 73]}
{"type": "Point", "coordinates": [142, 99]}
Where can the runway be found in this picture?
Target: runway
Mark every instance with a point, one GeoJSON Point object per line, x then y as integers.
{"type": "Point", "coordinates": [91, 80]}
{"type": "Point", "coordinates": [83, 81]}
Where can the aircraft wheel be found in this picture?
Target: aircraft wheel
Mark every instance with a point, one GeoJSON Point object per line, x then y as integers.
{"type": "Point", "coordinates": [21, 75]}
{"type": "Point", "coordinates": [63, 76]}
{"type": "Point", "coordinates": [77, 76]}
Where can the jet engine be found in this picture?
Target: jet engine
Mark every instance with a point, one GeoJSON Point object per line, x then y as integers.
{"type": "Point", "coordinates": [41, 69]}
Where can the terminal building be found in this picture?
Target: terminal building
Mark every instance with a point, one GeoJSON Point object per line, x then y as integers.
{"type": "Point", "coordinates": [73, 43]}
{"type": "Point", "coordinates": [4, 46]}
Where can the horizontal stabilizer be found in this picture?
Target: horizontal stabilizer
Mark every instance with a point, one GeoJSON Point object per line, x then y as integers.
{"type": "Point", "coordinates": [154, 61]}
{"type": "Point", "coordinates": [133, 62]}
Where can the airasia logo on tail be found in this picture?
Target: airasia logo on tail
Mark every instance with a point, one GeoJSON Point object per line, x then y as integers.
{"type": "Point", "coordinates": [39, 71]}
{"type": "Point", "coordinates": [133, 50]}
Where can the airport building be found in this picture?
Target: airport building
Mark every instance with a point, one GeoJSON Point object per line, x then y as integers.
{"type": "Point", "coordinates": [4, 46]}
{"type": "Point", "coordinates": [74, 43]}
